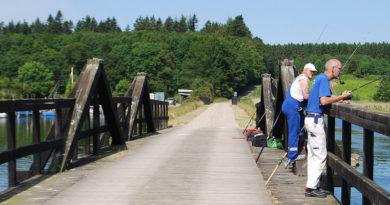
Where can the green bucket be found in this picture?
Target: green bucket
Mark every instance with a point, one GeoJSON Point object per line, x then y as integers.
{"type": "Point", "coordinates": [275, 143]}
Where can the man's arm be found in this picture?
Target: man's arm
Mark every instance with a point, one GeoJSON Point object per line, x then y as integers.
{"type": "Point", "coordinates": [334, 98]}
{"type": "Point", "coordinates": [304, 84]}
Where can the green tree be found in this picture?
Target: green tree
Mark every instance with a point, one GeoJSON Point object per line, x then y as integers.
{"type": "Point", "coordinates": [181, 26]}
{"type": "Point", "coordinates": [122, 87]}
{"type": "Point", "coordinates": [38, 27]}
{"type": "Point", "coordinates": [192, 21]}
{"type": "Point", "coordinates": [237, 27]}
{"type": "Point", "coordinates": [169, 25]}
{"type": "Point", "coordinates": [383, 92]}
{"type": "Point", "coordinates": [36, 76]}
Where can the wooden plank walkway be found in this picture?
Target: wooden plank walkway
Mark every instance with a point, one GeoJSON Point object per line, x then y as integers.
{"type": "Point", "coordinates": [285, 187]}
{"type": "Point", "coordinates": [201, 163]}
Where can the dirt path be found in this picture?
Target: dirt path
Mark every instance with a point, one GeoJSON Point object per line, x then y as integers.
{"type": "Point", "coordinates": [218, 115]}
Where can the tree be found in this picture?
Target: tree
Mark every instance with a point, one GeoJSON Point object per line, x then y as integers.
{"type": "Point", "coordinates": [38, 27]}
{"type": "Point", "coordinates": [237, 27]}
{"type": "Point", "coordinates": [383, 92]}
{"type": "Point", "coordinates": [122, 87]}
{"type": "Point", "coordinates": [57, 24]}
{"type": "Point", "coordinates": [36, 76]}
{"type": "Point", "coordinates": [212, 27]}
{"type": "Point", "coordinates": [67, 27]}
{"type": "Point", "coordinates": [141, 24]}
{"type": "Point", "coordinates": [25, 28]}
{"type": "Point", "coordinates": [1, 27]}
{"type": "Point", "coordinates": [192, 21]}
{"type": "Point", "coordinates": [50, 24]}
{"type": "Point", "coordinates": [169, 24]}
{"type": "Point", "coordinates": [159, 25]}
{"type": "Point", "coordinates": [181, 26]}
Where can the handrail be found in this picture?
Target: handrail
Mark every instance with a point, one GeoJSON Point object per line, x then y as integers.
{"type": "Point", "coordinates": [371, 122]}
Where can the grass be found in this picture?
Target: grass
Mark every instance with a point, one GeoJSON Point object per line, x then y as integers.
{"type": "Point", "coordinates": [182, 114]}
{"type": "Point", "coordinates": [374, 106]}
{"type": "Point", "coordinates": [350, 82]}
{"type": "Point", "coordinates": [248, 102]}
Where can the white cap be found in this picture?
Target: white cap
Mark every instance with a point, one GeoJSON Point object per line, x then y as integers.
{"type": "Point", "coordinates": [311, 67]}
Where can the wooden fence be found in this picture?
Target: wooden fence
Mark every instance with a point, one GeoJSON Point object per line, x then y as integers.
{"type": "Point", "coordinates": [125, 119]}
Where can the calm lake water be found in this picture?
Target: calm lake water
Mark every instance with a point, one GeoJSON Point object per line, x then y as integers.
{"type": "Point", "coordinates": [381, 151]}
{"type": "Point", "coordinates": [381, 159]}
{"type": "Point", "coordinates": [24, 137]}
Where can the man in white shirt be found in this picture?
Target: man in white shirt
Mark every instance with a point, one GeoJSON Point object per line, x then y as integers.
{"type": "Point", "coordinates": [292, 107]}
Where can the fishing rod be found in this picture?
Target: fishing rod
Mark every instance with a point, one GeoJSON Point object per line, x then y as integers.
{"type": "Point", "coordinates": [251, 120]}
{"type": "Point", "coordinates": [281, 160]}
{"type": "Point", "coordinates": [353, 53]}
{"type": "Point", "coordinates": [368, 83]}
{"type": "Point", "coordinates": [270, 132]}
{"type": "Point", "coordinates": [326, 25]}
{"type": "Point", "coordinates": [350, 97]}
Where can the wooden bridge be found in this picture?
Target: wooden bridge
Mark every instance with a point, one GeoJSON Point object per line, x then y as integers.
{"type": "Point", "coordinates": [204, 162]}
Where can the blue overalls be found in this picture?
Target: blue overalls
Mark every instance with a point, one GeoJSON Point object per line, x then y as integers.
{"type": "Point", "coordinates": [293, 109]}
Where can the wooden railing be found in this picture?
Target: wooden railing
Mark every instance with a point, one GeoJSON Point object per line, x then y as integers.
{"type": "Point", "coordinates": [371, 122]}
{"type": "Point", "coordinates": [339, 158]}
{"type": "Point", "coordinates": [150, 115]}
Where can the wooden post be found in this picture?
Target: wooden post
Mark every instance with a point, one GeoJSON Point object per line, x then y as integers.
{"type": "Point", "coordinates": [96, 125]}
{"type": "Point", "coordinates": [11, 140]}
{"type": "Point", "coordinates": [140, 120]}
{"type": "Point", "coordinates": [330, 148]}
{"type": "Point", "coordinates": [268, 102]}
{"type": "Point", "coordinates": [36, 168]}
{"type": "Point", "coordinates": [346, 189]}
{"type": "Point", "coordinates": [87, 140]}
{"type": "Point", "coordinates": [368, 161]}
{"type": "Point", "coordinates": [165, 115]}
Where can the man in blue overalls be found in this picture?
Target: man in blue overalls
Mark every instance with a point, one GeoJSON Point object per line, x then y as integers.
{"type": "Point", "coordinates": [320, 96]}
{"type": "Point", "coordinates": [292, 107]}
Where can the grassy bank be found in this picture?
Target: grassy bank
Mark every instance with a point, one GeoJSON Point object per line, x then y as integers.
{"type": "Point", "coordinates": [248, 102]}
{"type": "Point", "coordinates": [374, 106]}
{"type": "Point", "coordinates": [365, 93]}
{"type": "Point", "coordinates": [182, 114]}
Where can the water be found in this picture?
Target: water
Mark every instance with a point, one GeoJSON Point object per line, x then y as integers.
{"type": "Point", "coordinates": [381, 159]}
{"type": "Point", "coordinates": [23, 137]}
{"type": "Point", "coordinates": [24, 128]}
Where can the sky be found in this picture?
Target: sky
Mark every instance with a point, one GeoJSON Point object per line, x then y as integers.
{"type": "Point", "coordinates": [274, 21]}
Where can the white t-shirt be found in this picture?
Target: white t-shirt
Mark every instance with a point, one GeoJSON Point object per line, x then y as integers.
{"type": "Point", "coordinates": [296, 90]}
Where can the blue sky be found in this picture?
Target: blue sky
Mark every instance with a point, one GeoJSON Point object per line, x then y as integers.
{"type": "Point", "coordinates": [274, 21]}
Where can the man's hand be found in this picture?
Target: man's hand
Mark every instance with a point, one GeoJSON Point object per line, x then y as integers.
{"type": "Point", "coordinates": [346, 94]}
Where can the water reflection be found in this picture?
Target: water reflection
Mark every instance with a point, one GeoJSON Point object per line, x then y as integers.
{"type": "Point", "coordinates": [24, 128]}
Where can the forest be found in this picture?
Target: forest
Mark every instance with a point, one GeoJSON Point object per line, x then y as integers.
{"type": "Point", "coordinates": [36, 59]}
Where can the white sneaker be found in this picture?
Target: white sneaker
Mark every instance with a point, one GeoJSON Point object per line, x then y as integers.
{"type": "Point", "coordinates": [288, 162]}
{"type": "Point", "coordinates": [300, 157]}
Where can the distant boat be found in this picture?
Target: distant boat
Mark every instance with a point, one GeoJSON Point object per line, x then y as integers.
{"type": "Point", "coordinates": [23, 113]}
{"type": "Point", "coordinates": [48, 113]}
{"type": "Point", "coordinates": [3, 115]}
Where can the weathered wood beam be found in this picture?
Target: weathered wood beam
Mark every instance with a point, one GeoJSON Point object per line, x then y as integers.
{"type": "Point", "coordinates": [366, 186]}
{"type": "Point", "coordinates": [267, 102]}
{"type": "Point", "coordinates": [91, 81]}
{"type": "Point", "coordinates": [139, 93]}
{"type": "Point", "coordinates": [377, 122]}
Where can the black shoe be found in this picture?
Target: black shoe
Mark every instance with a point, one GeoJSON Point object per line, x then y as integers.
{"type": "Point", "coordinates": [314, 193]}
{"type": "Point", "coordinates": [324, 191]}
